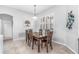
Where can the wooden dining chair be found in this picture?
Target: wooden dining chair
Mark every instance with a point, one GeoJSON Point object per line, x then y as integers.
{"type": "Point", "coordinates": [36, 41]}
{"type": "Point", "coordinates": [30, 37]}
{"type": "Point", "coordinates": [47, 40]}
{"type": "Point", "coordinates": [32, 40]}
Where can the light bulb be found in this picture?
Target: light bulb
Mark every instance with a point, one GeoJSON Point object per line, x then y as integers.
{"type": "Point", "coordinates": [34, 18]}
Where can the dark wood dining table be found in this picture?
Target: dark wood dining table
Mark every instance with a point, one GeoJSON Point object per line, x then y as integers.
{"type": "Point", "coordinates": [39, 38]}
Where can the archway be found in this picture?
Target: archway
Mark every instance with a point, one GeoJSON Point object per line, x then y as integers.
{"type": "Point", "coordinates": [7, 26]}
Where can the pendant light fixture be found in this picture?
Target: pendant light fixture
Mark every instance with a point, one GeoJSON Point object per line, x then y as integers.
{"type": "Point", "coordinates": [34, 15]}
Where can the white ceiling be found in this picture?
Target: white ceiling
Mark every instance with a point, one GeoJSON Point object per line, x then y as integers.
{"type": "Point", "coordinates": [30, 8]}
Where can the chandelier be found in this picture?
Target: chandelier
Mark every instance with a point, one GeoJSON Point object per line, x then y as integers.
{"type": "Point", "coordinates": [34, 15]}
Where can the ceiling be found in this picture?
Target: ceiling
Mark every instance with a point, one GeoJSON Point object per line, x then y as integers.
{"type": "Point", "coordinates": [30, 8]}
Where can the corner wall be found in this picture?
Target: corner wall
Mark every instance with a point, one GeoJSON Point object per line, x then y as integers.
{"type": "Point", "coordinates": [72, 35]}
{"type": "Point", "coordinates": [0, 26]}
{"type": "Point", "coordinates": [61, 33]}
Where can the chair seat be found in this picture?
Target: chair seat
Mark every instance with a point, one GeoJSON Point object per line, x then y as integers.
{"type": "Point", "coordinates": [34, 38]}
{"type": "Point", "coordinates": [44, 40]}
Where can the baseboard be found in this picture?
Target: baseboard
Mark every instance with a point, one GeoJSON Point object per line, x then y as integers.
{"type": "Point", "coordinates": [1, 51]}
{"type": "Point", "coordinates": [21, 38]}
{"type": "Point", "coordinates": [71, 49]}
{"type": "Point", "coordinates": [67, 47]}
{"type": "Point", "coordinates": [59, 43]}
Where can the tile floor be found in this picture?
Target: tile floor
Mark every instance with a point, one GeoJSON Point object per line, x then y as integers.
{"type": "Point", "coordinates": [20, 47]}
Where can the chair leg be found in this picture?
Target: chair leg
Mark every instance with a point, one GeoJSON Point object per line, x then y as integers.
{"type": "Point", "coordinates": [38, 46]}
{"type": "Point", "coordinates": [29, 43]}
{"type": "Point", "coordinates": [33, 44]}
{"type": "Point", "coordinates": [26, 39]}
{"type": "Point", "coordinates": [51, 44]}
{"type": "Point", "coordinates": [47, 46]}
{"type": "Point", "coordinates": [41, 44]}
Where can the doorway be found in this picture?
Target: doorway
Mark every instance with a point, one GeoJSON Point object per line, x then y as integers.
{"type": "Point", "coordinates": [7, 26]}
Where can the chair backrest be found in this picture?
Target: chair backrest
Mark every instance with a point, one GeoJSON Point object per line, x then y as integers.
{"type": "Point", "coordinates": [40, 32]}
{"type": "Point", "coordinates": [30, 34]}
{"type": "Point", "coordinates": [49, 35]}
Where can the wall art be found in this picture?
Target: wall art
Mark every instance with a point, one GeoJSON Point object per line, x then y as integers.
{"type": "Point", "coordinates": [70, 20]}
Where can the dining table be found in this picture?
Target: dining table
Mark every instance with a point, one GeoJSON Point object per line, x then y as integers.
{"type": "Point", "coordinates": [39, 38]}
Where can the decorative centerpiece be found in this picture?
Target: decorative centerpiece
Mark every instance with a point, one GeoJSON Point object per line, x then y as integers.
{"type": "Point", "coordinates": [27, 23]}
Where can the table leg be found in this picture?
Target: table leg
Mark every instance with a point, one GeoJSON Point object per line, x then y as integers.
{"type": "Point", "coordinates": [47, 46]}
{"type": "Point", "coordinates": [51, 44]}
{"type": "Point", "coordinates": [38, 46]}
{"type": "Point", "coordinates": [32, 44]}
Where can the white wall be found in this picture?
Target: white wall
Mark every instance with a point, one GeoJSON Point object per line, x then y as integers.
{"type": "Point", "coordinates": [59, 23]}
{"type": "Point", "coordinates": [18, 20]}
{"type": "Point", "coordinates": [61, 33]}
{"type": "Point", "coordinates": [0, 26]}
{"type": "Point", "coordinates": [1, 44]}
{"type": "Point", "coordinates": [1, 40]}
{"type": "Point", "coordinates": [72, 35]}
{"type": "Point", "coordinates": [36, 25]}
